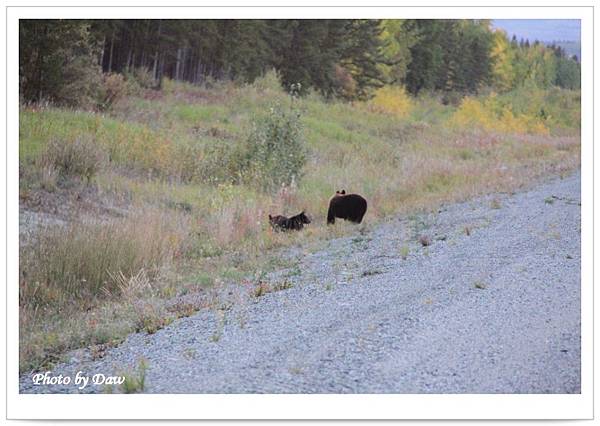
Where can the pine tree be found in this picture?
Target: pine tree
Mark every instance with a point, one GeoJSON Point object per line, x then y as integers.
{"type": "Point", "coordinates": [363, 55]}
{"type": "Point", "coordinates": [397, 37]}
{"type": "Point", "coordinates": [58, 61]}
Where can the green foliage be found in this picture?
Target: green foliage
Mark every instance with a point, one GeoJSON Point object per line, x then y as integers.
{"type": "Point", "coordinates": [58, 61]}
{"type": "Point", "coordinates": [270, 81]}
{"type": "Point", "coordinates": [534, 66]}
{"type": "Point", "coordinates": [450, 55]}
{"type": "Point", "coordinates": [275, 154]}
{"type": "Point", "coordinates": [135, 383]}
{"type": "Point", "coordinates": [202, 51]}
{"type": "Point", "coordinates": [502, 56]}
{"type": "Point", "coordinates": [362, 56]}
{"type": "Point", "coordinates": [61, 60]}
{"type": "Point", "coordinates": [398, 36]}
{"type": "Point", "coordinates": [568, 74]}
{"type": "Point", "coordinates": [140, 77]}
{"type": "Point", "coordinates": [542, 66]}
{"type": "Point", "coordinates": [556, 108]}
{"type": "Point", "coordinates": [332, 55]}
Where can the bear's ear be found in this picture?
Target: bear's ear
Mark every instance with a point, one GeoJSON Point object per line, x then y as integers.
{"type": "Point", "coordinates": [270, 217]}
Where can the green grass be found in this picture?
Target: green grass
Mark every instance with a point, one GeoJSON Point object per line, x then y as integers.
{"type": "Point", "coordinates": [198, 114]}
{"type": "Point", "coordinates": [172, 161]}
{"type": "Point", "coordinates": [404, 251]}
{"type": "Point", "coordinates": [135, 382]}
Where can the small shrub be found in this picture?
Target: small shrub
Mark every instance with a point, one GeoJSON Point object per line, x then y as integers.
{"type": "Point", "coordinates": [452, 98]}
{"type": "Point", "coordinates": [480, 285]}
{"type": "Point", "coordinates": [344, 83]}
{"type": "Point", "coordinates": [189, 353]}
{"type": "Point", "coordinates": [471, 112]}
{"type": "Point", "coordinates": [392, 100]}
{"type": "Point", "coordinates": [275, 153]}
{"type": "Point", "coordinates": [490, 113]}
{"type": "Point", "coordinates": [183, 309]}
{"type": "Point", "coordinates": [143, 78]}
{"type": "Point", "coordinates": [270, 81]}
{"type": "Point", "coordinates": [135, 383]}
{"type": "Point", "coordinates": [189, 158]}
{"type": "Point", "coordinates": [404, 250]}
{"type": "Point", "coordinates": [261, 289]}
{"type": "Point", "coordinates": [221, 319]}
{"type": "Point", "coordinates": [151, 319]}
{"type": "Point", "coordinates": [131, 287]}
{"type": "Point", "coordinates": [283, 285]}
{"type": "Point", "coordinates": [370, 272]}
{"type": "Point", "coordinates": [81, 157]}
{"type": "Point", "coordinates": [114, 88]}
{"type": "Point", "coordinates": [48, 177]}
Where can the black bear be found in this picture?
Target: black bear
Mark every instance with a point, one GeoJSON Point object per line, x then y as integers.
{"type": "Point", "coordinates": [350, 207]}
{"type": "Point", "coordinates": [295, 223]}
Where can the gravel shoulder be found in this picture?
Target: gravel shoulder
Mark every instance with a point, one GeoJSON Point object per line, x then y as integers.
{"type": "Point", "coordinates": [492, 305]}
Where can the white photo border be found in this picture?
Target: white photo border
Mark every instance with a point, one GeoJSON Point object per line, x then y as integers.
{"type": "Point", "coordinates": [299, 406]}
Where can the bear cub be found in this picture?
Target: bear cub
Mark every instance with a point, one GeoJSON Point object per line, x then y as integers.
{"type": "Point", "coordinates": [295, 223]}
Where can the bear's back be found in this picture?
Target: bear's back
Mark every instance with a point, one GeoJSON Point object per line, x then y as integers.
{"type": "Point", "coordinates": [347, 206]}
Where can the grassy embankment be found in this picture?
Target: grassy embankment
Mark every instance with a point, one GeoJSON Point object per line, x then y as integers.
{"type": "Point", "coordinates": [168, 159]}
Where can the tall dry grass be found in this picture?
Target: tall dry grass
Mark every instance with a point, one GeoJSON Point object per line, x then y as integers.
{"type": "Point", "coordinates": [78, 264]}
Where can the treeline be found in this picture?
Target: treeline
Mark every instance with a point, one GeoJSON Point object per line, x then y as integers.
{"type": "Point", "coordinates": [305, 51]}
{"type": "Point", "coordinates": [339, 58]}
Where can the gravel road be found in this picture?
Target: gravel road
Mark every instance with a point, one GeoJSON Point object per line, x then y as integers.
{"type": "Point", "coordinates": [492, 305]}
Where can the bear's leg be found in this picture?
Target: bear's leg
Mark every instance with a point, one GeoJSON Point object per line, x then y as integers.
{"type": "Point", "coordinates": [330, 217]}
{"type": "Point", "coordinates": [359, 218]}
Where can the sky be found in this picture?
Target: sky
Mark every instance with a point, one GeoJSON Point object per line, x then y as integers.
{"type": "Point", "coordinates": [544, 30]}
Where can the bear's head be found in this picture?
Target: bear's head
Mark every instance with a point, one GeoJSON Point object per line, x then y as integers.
{"type": "Point", "coordinates": [303, 217]}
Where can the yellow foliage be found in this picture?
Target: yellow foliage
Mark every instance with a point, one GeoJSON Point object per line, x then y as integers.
{"type": "Point", "coordinates": [489, 115]}
{"type": "Point", "coordinates": [502, 59]}
{"type": "Point", "coordinates": [392, 100]}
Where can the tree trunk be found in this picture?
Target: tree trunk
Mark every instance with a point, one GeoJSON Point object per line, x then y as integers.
{"type": "Point", "coordinates": [41, 60]}
{"type": "Point", "coordinates": [110, 57]}
{"type": "Point", "coordinates": [183, 61]}
{"type": "Point", "coordinates": [178, 63]}
{"type": "Point", "coordinates": [161, 70]}
{"type": "Point", "coordinates": [103, 53]}
{"type": "Point", "coordinates": [155, 66]}
{"type": "Point", "coordinates": [128, 60]}
{"type": "Point", "coordinates": [198, 72]}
